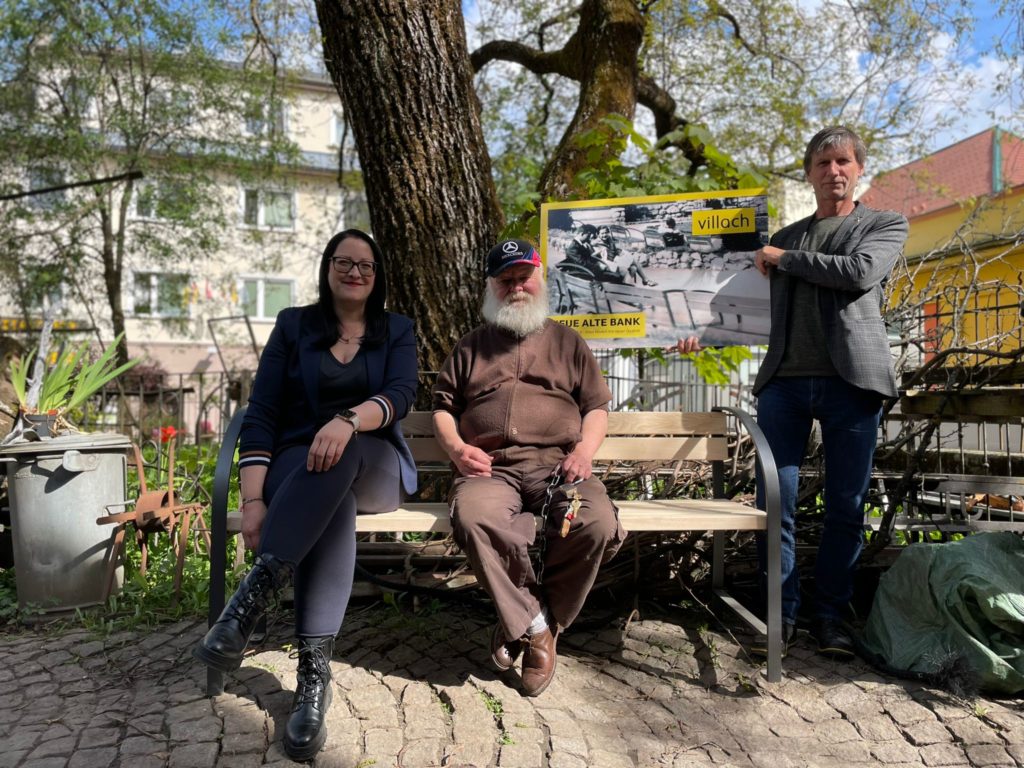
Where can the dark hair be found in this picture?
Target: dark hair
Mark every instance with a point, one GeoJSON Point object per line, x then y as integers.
{"type": "Point", "coordinates": [588, 229]}
{"type": "Point", "coordinates": [834, 136]}
{"type": "Point", "coordinates": [670, 222]}
{"type": "Point", "coordinates": [376, 316]}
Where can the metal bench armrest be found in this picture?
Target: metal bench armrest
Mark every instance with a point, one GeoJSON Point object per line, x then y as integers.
{"type": "Point", "coordinates": [219, 533]}
{"type": "Point", "coordinates": [773, 536]}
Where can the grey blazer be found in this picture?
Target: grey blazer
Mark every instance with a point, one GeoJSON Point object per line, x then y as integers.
{"type": "Point", "coordinates": [850, 280]}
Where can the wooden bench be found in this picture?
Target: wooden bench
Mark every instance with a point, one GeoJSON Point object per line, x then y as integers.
{"type": "Point", "coordinates": [575, 291]}
{"type": "Point", "coordinates": [681, 241]}
{"type": "Point", "coordinates": [651, 439]}
{"type": "Point", "coordinates": [655, 240]}
{"type": "Point", "coordinates": [733, 313]}
{"type": "Point", "coordinates": [634, 298]}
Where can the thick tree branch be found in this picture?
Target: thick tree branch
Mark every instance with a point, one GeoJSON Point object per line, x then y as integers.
{"type": "Point", "coordinates": [538, 62]}
{"type": "Point", "coordinates": [601, 55]}
{"type": "Point", "coordinates": [560, 18]}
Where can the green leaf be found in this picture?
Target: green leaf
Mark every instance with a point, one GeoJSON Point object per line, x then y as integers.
{"type": "Point", "coordinates": [19, 376]}
{"type": "Point", "coordinates": [94, 376]}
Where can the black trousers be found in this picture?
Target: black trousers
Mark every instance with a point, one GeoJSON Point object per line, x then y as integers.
{"type": "Point", "coordinates": [311, 523]}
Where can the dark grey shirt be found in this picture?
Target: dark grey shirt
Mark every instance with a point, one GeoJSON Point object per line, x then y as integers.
{"type": "Point", "coordinates": [342, 385]}
{"type": "Point", "coordinates": [806, 353]}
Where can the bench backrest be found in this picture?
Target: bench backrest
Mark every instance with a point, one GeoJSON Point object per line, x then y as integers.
{"type": "Point", "coordinates": [577, 292]}
{"type": "Point", "coordinates": [632, 436]}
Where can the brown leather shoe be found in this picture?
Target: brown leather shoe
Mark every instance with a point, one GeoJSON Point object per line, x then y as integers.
{"type": "Point", "coordinates": [539, 661]}
{"type": "Point", "coordinates": [504, 652]}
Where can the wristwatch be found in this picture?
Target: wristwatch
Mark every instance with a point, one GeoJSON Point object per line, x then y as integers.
{"type": "Point", "coordinates": [351, 417]}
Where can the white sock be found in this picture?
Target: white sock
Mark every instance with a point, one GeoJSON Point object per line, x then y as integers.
{"type": "Point", "coordinates": [539, 623]}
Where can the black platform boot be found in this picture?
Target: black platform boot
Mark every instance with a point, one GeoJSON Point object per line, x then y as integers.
{"type": "Point", "coordinates": [306, 731]}
{"type": "Point", "coordinates": [224, 644]}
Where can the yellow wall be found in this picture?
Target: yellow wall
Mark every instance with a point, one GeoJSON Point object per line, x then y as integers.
{"type": "Point", "coordinates": [963, 261]}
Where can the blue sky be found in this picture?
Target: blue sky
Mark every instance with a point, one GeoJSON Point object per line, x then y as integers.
{"type": "Point", "coordinates": [988, 25]}
{"type": "Point", "coordinates": [981, 104]}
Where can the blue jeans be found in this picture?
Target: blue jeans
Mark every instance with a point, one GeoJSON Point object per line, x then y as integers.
{"type": "Point", "coordinates": [849, 416]}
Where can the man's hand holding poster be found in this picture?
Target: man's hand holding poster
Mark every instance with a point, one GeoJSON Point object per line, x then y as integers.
{"type": "Point", "coordinates": [647, 271]}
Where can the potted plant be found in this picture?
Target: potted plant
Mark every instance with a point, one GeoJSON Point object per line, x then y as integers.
{"type": "Point", "coordinates": [61, 482]}
{"type": "Point", "coordinates": [46, 394]}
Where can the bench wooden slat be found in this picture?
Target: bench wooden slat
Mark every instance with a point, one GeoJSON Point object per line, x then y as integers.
{"type": "Point", "coordinates": [690, 515]}
{"type": "Point", "coordinates": [426, 449]}
{"type": "Point", "coordinates": [645, 515]}
{"type": "Point", "coordinates": [662, 449]}
{"type": "Point", "coordinates": [651, 423]}
{"type": "Point", "coordinates": [420, 424]}
{"type": "Point", "coordinates": [969, 484]}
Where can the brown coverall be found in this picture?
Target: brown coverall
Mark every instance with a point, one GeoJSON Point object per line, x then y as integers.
{"type": "Point", "coordinates": [522, 400]}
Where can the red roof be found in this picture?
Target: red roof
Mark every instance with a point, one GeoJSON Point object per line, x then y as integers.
{"type": "Point", "coordinates": [949, 176]}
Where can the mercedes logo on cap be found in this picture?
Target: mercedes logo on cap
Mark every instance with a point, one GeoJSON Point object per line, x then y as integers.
{"type": "Point", "coordinates": [510, 246]}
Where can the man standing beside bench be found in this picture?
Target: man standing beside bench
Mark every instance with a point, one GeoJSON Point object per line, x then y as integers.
{"type": "Point", "coordinates": [828, 359]}
{"type": "Point", "coordinates": [520, 403]}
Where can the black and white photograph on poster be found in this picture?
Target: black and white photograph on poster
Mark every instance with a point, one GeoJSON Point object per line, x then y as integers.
{"type": "Point", "coordinates": [646, 271]}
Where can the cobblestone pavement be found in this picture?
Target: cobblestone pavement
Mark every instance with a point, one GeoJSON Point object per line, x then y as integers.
{"type": "Point", "coordinates": [414, 690]}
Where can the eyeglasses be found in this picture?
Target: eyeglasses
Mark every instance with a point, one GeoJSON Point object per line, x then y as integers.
{"type": "Point", "coordinates": [344, 266]}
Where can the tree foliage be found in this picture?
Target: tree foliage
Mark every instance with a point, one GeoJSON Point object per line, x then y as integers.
{"type": "Point", "coordinates": [760, 77]}
{"type": "Point", "coordinates": [124, 88]}
{"type": "Point", "coordinates": [723, 90]}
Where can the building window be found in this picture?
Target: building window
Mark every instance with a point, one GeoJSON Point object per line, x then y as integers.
{"type": "Point", "coordinates": [263, 298]}
{"type": "Point", "coordinates": [166, 201]}
{"type": "Point", "coordinates": [264, 120]}
{"type": "Point", "coordinates": [40, 287]}
{"type": "Point", "coordinates": [170, 105]}
{"type": "Point", "coordinates": [355, 211]}
{"type": "Point", "coordinates": [274, 210]}
{"type": "Point", "coordinates": [161, 294]}
{"type": "Point", "coordinates": [78, 100]}
{"type": "Point", "coordinates": [44, 178]}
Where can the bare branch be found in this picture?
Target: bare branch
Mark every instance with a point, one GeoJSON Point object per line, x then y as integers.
{"type": "Point", "coordinates": [537, 61]}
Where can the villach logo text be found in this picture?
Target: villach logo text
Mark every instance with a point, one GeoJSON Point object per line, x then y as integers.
{"type": "Point", "coordinates": [723, 222]}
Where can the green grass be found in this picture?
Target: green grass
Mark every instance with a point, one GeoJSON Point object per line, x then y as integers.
{"type": "Point", "coordinates": [497, 711]}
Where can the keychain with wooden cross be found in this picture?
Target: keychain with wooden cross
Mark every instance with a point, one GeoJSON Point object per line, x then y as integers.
{"type": "Point", "coordinates": [575, 502]}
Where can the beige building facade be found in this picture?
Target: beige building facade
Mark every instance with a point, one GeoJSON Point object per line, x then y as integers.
{"type": "Point", "coordinates": [211, 314]}
{"type": "Point", "coordinates": [207, 315]}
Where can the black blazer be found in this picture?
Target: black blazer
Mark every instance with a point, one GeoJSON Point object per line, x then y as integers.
{"type": "Point", "coordinates": [283, 405]}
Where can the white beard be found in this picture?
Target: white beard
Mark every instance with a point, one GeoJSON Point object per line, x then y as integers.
{"type": "Point", "coordinates": [521, 317]}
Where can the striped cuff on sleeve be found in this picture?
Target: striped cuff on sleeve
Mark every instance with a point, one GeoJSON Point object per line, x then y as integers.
{"type": "Point", "coordinates": [253, 458]}
{"type": "Point", "coordinates": [386, 407]}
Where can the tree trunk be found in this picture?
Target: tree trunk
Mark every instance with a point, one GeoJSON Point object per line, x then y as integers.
{"type": "Point", "coordinates": [112, 274]}
{"type": "Point", "coordinates": [604, 50]}
{"type": "Point", "coordinates": [403, 72]}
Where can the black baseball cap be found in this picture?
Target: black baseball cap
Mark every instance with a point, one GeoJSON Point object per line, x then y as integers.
{"type": "Point", "coordinates": [509, 252]}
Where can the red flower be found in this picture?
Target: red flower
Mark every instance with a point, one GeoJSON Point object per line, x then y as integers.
{"type": "Point", "coordinates": [167, 434]}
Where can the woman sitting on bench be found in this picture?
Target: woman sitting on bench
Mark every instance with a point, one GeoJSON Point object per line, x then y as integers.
{"type": "Point", "coordinates": [321, 439]}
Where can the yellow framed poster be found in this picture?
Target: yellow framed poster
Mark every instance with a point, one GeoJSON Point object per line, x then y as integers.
{"type": "Point", "coordinates": [646, 271]}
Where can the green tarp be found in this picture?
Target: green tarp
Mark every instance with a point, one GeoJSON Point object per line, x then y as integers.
{"type": "Point", "coordinates": [965, 598]}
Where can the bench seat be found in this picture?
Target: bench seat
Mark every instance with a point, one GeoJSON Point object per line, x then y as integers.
{"type": "Point", "coordinates": [636, 516]}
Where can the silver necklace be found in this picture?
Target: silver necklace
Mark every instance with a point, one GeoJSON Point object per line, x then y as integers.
{"type": "Point", "coordinates": [349, 339]}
